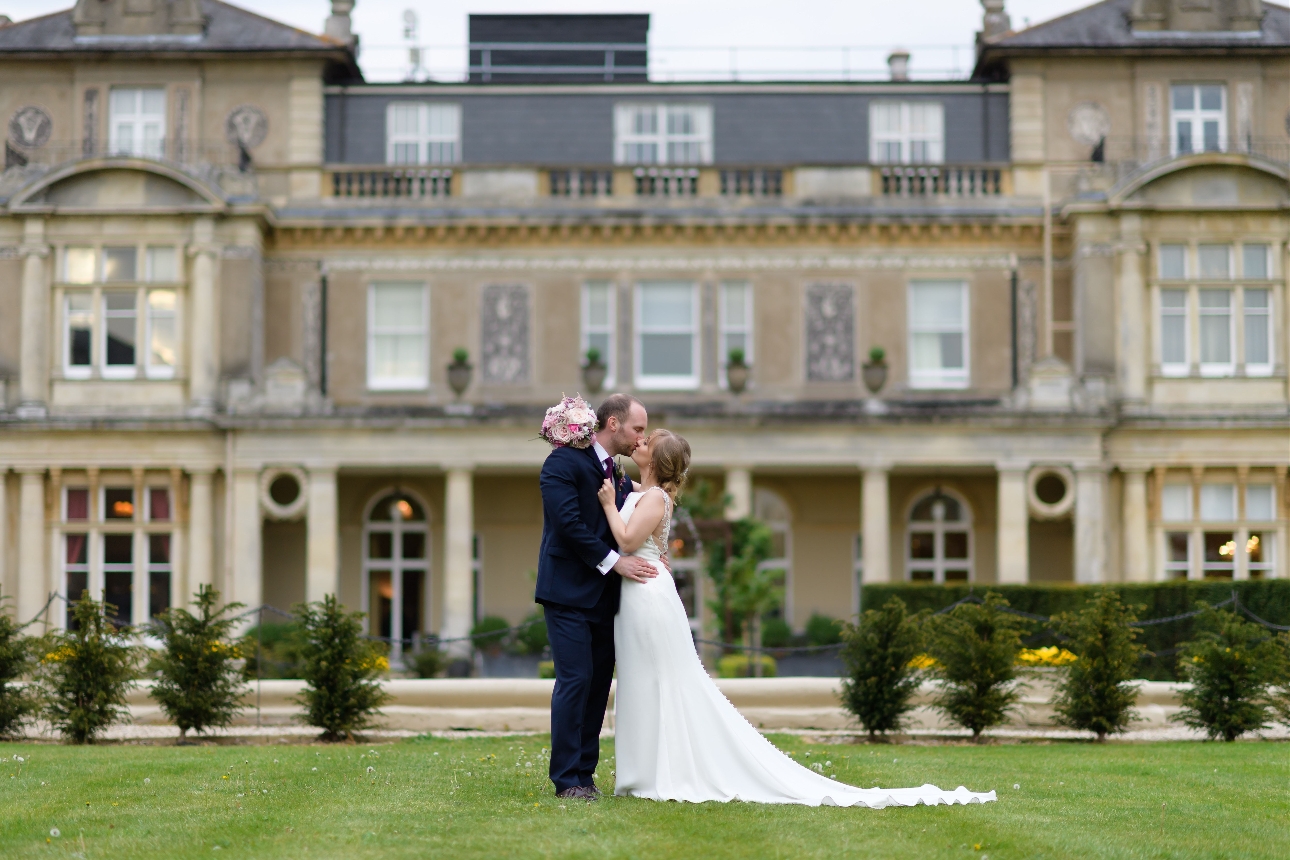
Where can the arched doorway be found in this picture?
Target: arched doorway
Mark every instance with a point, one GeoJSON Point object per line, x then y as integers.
{"type": "Point", "coordinates": [938, 544]}
{"type": "Point", "coordinates": [396, 577]}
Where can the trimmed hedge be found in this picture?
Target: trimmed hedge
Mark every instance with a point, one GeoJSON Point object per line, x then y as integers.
{"type": "Point", "coordinates": [1269, 599]}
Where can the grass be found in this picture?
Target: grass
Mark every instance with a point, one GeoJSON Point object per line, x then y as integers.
{"type": "Point", "coordinates": [466, 798]}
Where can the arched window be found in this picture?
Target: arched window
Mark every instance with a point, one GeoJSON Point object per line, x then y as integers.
{"type": "Point", "coordinates": [395, 570]}
{"type": "Point", "coordinates": [938, 547]}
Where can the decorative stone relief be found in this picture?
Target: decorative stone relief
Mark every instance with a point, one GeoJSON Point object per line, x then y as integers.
{"type": "Point", "coordinates": [1244, 116]}
{"type": "Point", "coordinates": [181, 124]}
{"type": "Point", "coordinates": [30, 127]}
{"type": "Point", "coordinates": [830, 333]}
{"type": "Point", "coordinates": [246, 125]}
{"type": "Point", "coordinates": [504, 335]}
{"type": "Point", "coordinates": [1153, 122]}
{"type": "Point", "coordinates": [90, 123]}
{"type": "Point", "coordinates": [1088, 123]}
{"type": "Point", "coordinates": [1026, 322]}
{"type": "Point", "coordinates": [311, 335]}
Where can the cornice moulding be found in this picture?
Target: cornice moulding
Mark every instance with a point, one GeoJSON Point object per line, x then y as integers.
{"type": "Point", "coordinates": [671, 262]}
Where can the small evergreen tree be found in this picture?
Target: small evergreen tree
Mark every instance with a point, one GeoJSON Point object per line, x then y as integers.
{"type": "Point", "coordinates": [1095, 693]}
{"type": "Point", "coordinates": [975, 648]}
{"type": "Point", "coordinates": [1281, 698]}
{"type": "Point", "coordinates": [1232, 663]}
{"type": "Point", "coordinates": [87, 672]}
{"type": "Point", "coordinates": [199, 684]}
{"type": "Point", "coordinates": [878, 653]}
{"type": "Point", "coordinates": [340, 668]}
{"type": "Point", "coordinates": [16, 652]}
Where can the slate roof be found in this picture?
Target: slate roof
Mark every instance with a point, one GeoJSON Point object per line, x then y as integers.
{"type": "Point", "coordinates": [229, 28]}
{"type": "Point", "coordinates": [1104, 28]}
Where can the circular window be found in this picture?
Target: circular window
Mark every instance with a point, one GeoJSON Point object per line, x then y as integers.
{"type": "Point", "coordinates": [282, 492]}
{"type": "Point", "coordinates": [1050, 492]}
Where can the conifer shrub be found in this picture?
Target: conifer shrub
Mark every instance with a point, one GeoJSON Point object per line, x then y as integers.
{"type": "Point", "coordinates": [199, 680]}
{"type": "Point", "coordinates": [1096, 693]}
{"type": "Point", "coordinates": [975, 648]}
{"type": "Point", "coordinates": [1232, 664]}
{"type": "Point", "coordinates": [775, 633]}
{"type": "Point", "coordinates": [881, 675]}
{"type": "Point", "coordinates": [489, 633]}
{"type": "Point", "coordinates": [87, 671]}
{"type": "Point", "coordinates": [17, 702]}
{"type": "Point", "coordinates": [532, 639]}
{"type": "Point", "coordinates": [823, 630]}
{"type": "Point", "coordinates": [741, 666]}
{"type": "Point", "coordinates": [428, 662]}
{"type": "Point", "coordinates": [271, 650]}
{"type": "Point", "coordinates": [340, 669]}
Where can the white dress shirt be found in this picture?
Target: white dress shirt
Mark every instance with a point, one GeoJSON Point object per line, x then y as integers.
{"type": "Point", "coordinates": [610, 560]}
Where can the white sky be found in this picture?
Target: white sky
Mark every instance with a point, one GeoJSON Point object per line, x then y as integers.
{"type": "Point", "coordinates": [689, 39]}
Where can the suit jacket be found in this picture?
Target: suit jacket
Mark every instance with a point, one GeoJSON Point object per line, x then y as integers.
{"type": "Point", "coordinates": [575, 534]}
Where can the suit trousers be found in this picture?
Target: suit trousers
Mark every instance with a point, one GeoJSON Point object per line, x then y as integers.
{"type": "Point", "coordinates": [582, 646]}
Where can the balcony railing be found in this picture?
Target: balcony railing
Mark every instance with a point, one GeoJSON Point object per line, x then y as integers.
{"type": "Point", "coordinates": [667, 181]}
{"type": "Point", "coordinates": [752, 182]}
{"type": "Point", "coordinates": [941, 180]}
{"type": "Point", "coordinates": [581, 183]}
{"type": "Point", "coordinates": [411, 183]}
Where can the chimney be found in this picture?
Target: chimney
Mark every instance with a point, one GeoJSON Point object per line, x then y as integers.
{"type": "Point", "coordinates": [338, 26]}
{"type": "Point", "coordinates": [898, 62]}
{"type": "Point", "coordinates": [996, 21]}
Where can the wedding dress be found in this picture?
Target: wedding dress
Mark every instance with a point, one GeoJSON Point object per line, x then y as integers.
{"type": "Point", "coordinates": [678, 738]}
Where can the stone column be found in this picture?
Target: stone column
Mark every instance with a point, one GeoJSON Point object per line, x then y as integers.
{"type": "Point", "coordinates": [32, 576]}
{"type": "Point", "coordinates": [1013, 541]}
{"type": "Point", "coordinates": [33, 383]}
{"type": "Point", "coordinates": [321, 526]}
{"type": "Point", "coordinates": [1090, 541]}
{"type": "Point", "coordinates": [739, 489]}
{"type": "Point", "coordinates": [1137, 559]}
{"type": "Point", "coordinates": [1131, 330]}
{"type": "Point", "coordinates": [458, 583]}
{"type": "Point", "coordinates": [875, 525]}
{"type": "Point", "coordinates": [201, 523]}
{"type": "Point", "coordinates": [247, 535]}
{"type": "Point", "coordinates": [202, 323]}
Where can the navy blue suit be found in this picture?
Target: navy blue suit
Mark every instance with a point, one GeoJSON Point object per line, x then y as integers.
{"type": "Point", "coordinates": [579, 603]}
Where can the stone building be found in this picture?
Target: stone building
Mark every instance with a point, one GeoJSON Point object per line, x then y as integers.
{"type": "Point", "coordinates": [233, 277]}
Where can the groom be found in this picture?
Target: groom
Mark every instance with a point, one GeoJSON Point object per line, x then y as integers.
{"type": "Point", "coordinates": [578, 584]}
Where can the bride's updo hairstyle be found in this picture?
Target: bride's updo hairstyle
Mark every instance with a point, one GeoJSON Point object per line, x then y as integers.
{"type": "Point", "coordinates": [671, 456]}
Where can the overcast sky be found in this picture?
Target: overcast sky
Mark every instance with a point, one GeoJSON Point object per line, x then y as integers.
{"type": "Point", "coordinates": [689, 39]}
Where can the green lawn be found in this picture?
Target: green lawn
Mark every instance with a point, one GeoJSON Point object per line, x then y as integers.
{"type": "Point", "coordinates": [466, 798]}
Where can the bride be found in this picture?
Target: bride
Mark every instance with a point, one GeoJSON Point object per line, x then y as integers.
{"type": "Point", "coordinates": [677, 737]}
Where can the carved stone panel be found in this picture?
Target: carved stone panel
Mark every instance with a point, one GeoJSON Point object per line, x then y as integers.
{"type": "Point", "coordinates": [504, 335]}
{"type": "Point", "coordinates": [830, 333]}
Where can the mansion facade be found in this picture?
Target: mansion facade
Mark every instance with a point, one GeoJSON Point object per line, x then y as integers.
{"type": "Point", "coordinates": [1029, 326]}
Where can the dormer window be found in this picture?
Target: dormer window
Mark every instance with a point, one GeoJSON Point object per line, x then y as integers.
{"type": "Point", "coordinates": [1198, 118]}
{"type": "Point", "coordinates": [137, 121]}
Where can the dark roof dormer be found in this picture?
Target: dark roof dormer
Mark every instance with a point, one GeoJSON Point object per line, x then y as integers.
{"type": "Point", "coordinates": [558, 49]}
{"type": "Point", "coordinates": [1196, 16]}
{"type": "Point", "coordinates": [137, 20]}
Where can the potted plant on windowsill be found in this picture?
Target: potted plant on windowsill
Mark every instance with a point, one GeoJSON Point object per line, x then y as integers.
{"type": "Point", "coordinates": [737, 370]}
{"type": "Point", "coordinates": [875, 370]}
{"type": "Point", "coordinates": [460, 370]}
{"type": "Point", "coordinates": [594, 371]}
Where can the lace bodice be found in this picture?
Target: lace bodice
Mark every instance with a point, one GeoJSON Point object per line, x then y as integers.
{"type": "Point", "coordinates": [654, 545]}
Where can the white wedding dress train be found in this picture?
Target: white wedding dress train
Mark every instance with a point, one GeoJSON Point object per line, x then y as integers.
{"type": "Point", "coordinates": [678, 738]}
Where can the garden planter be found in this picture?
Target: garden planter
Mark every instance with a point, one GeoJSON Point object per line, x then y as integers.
{"type": "Point", "coordinates": [593, 376]}
{"type": "Point", "coordinates": [875, 377]}
{"type": "Point", "coordinates": [737, 377]}
{"type": "Point", "coordinates": [459, 377]}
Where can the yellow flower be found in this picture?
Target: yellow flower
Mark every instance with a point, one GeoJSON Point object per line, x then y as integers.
{"type": "Point", "coordinates": [923, 661]}
{"type": "Point", "coordinates": [1050, 656]}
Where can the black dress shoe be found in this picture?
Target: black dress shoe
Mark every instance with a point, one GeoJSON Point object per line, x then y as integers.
{"type": "Point", "coordinates": [591, 789]}
{"type": "Point", "coordinates": [577, 792]}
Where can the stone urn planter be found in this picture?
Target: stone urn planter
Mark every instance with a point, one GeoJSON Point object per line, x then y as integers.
{"type": "Point", "coordinates": [594, 372]}
{"type": "Point", "coordinates": [737, 371]}
{"type": "Point", "coordinates": [459, 372]}
{"type": "Point", "coordinates": [875, 370]}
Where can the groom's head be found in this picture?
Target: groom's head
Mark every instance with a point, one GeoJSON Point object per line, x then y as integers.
{"type": "Point", "coordinates": [622, 421]}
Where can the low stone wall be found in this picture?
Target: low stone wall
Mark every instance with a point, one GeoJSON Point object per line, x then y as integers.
{"type": "Point", "coordinates": [523, 704]}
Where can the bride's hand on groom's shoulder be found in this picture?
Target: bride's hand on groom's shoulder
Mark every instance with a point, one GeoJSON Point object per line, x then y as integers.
{"type": "Point", "coordinates": [633, 568]}
{"type": "Point", "coordinates": [606, 494]}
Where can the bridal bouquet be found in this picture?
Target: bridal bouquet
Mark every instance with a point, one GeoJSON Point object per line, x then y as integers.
{"type": "Point", "coordinates": [570, 422]}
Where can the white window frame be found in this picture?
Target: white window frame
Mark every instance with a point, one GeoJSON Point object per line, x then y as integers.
{"type": "Point", "coordinates": [1175, 368]}
{"type": "Point", "coordinates": [138, 120]}
{"type": "Point", "coordinates": [397, 566]}
{"type": "Point", "coordinates": [1197, 118]}
{"type": "Point", "coordinates": [951, 378]}
{"type": "Point", "coordinates": [429, 141]}
{"type": "Point", "coordinates": [78, 371]}
{"type": "Point", "coordinates": [904, 135]}
{"type": "Point", "coordinates": [626, 135]}
{"type": "Point", "coordinates": [117, 371]}
{"type": "Point", "coordinates": [1170, 568]}
{"type": "Point", "coordinates": [938, 527]}
{"type": "Point", "coordinates": [1217, 368]}
{"type": "Point", "coordinates": [422, 328]}
{"type": "Point", "coordinates": [159, 371]}
{"type": "Point", "coordinates": [669, 382]}
{"type": "Point", "coordinates": [729, 327]}
{"type": "Point", "coordinates": [610, 330]}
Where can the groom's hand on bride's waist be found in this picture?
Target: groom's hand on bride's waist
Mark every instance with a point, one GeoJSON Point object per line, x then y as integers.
{"type": "Point", "coordinates": [636, 569]}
